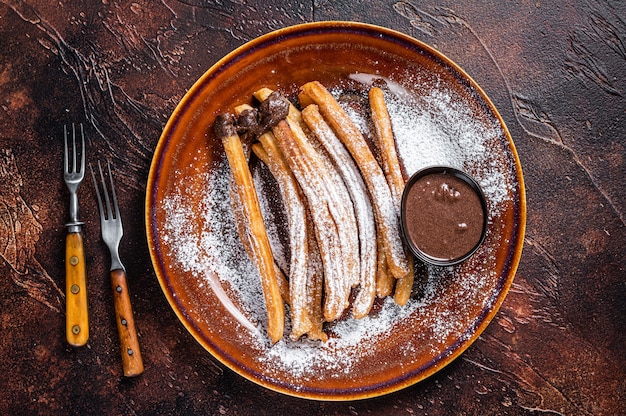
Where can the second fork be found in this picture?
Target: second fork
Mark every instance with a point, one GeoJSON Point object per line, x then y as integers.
{"type": "Point", "coordinates": [112, 232]}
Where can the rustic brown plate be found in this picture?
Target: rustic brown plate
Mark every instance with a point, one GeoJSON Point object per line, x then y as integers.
{"type": "Point", "coordinates": [440, 115]}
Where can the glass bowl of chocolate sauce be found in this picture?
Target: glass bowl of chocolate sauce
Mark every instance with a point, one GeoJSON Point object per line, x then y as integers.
{"type": "Point", "coordinates": [444, 215]}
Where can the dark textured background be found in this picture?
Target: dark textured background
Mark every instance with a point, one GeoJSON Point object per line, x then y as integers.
{"type": "Point", "coordinates": [557, 73]}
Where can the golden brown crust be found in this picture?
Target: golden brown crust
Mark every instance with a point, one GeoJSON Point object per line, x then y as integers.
{"type": "Point", "coordinates": [391, 166]}
{"type": "Point", "coordinates": [404, 287]}
{"type": "Point", "coordinates": [384, 279]}
{"type": "Point", "coordinates": [293, 200]}
{"type": "Point", "coordinates": [283, 283]}
{"type": "Point", "coordinates": [386, 143]}
{"type": "Point", "coordinates": [316, 286]}
{"type": "Point", "coordinates": [337, 291]}
{"type": "Point", "coordinates": [247, 204]}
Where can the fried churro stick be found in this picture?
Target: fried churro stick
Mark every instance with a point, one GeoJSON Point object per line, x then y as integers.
{"type": "Point", "coordinates": [258, 240]}
{"type": "Point", "coordinates": [351, 137]}
{"type": "Point", "coordinates": [404, 286]}
{"type": "Point", "coordinates": [331, 209]}
{"type": "Point", "coordinates": [298, 238]}
{"type": "Point", "coordinates": [283, 284]}
{"type": "Point", "coordinates": [362, 207]}
{"type": "Point", "coordinates": [336, 289]}
{"type": "Point", "coordinates": [391, 167]}
{"type": "Point", "coordinates": [240, 222]}
{"type": "Point", "coordinates": [314, 274]}
{"type": "Point", "coordinates": [386, 143]}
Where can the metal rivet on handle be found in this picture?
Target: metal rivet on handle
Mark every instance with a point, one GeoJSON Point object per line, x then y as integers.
{"type": "Point", "coordinates": [73, 260]}
{"type": "Point", "coordinates": [75, 329]}
{"type": "Point", "coordinates": [130, 352]}
{"type": "Point", "coordinates": [119, 289]}
{"type": "Point", "coordinates": [75, 289]}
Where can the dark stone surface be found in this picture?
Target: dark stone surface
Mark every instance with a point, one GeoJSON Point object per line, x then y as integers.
{"type": "Point", "coordinates": [557, 73]}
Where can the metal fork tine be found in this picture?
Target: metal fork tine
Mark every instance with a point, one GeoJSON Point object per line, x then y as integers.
{"type": "Point", "coordinates": [116, 207]}
{"type": "Point", "coordinates": [79, 170]}
{"type": "Point", "coordinates": [106, 191]}
{"type": "Point", "coordinates": [95, 184]}
{"type": "Point", "coordinates": [66, 155]}
{"type": "Point", "coordinates": [73, 148]}
{"type": "Point", "coordinates": [82, 151]}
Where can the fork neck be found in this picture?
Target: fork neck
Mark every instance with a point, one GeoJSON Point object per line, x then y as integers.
{"type": "Point", "coordinates": [74, 225]}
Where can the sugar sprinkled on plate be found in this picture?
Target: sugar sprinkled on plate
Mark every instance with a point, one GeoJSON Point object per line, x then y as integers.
{"type": "Point", "coordinates": [436, 128]}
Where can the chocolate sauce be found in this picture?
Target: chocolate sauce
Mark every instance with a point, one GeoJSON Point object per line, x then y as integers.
{"type": "Point", "coordinates": [444, 216]}
{"type": "Point", "coordinates": [248, 123]}
{"type": "Point", "coordinates": [251, 123]}
{"type": "Point", "coordinates": [225, 125]}
{"type": "Point", "coordinates": [273, 109]}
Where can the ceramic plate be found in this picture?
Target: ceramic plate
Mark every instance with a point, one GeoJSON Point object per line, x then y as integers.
{"type": "Point", "coordinates": [439, 115]}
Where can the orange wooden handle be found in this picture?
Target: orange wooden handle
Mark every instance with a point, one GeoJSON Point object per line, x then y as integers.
{"type": "Point", "coordinates": [77, 317]}
{"type": "Point", "coordinates": [129, 343]}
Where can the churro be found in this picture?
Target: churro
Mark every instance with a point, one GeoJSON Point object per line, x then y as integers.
{"type": "Point", "coordinates": [337, 289]}
{"type": "Point", "coordinates": [382, 202]}
{"type": "Point", "coordinates": [255, 228]}
{"type": "Point", "coordinates": [315, 286]}
{"type": "Point", "coordinates": [362, 207]}
{"type": "Point", "coordinates": [298, 238]}
{"type": "Point", "coordinates": [391, 167]}
{"type": "Point", "coordinates": [342, 206]}
{"type": "Point", "coordinates": [384, 279]}
{"type": "Point", "coordinates": [386, 144]}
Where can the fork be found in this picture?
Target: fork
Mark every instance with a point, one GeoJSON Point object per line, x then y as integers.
{"type": "Point", "coordinates": [112, 232]}
{"type": "Point", "coordinates": [77, 316]}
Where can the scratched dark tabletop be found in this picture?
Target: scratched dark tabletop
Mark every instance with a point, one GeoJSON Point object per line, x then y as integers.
{"type": "Point", "coordinates": [557, 74]}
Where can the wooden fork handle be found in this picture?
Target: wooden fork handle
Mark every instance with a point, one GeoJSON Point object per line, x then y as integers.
{"type": "Point", "coordinates": [77, 316]}
{"type": "Point", "coordinates": [129, 343]}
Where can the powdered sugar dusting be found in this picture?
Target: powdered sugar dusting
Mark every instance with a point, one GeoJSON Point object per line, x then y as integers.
{"type": "Point", "coordinates": [436, 128]}
{"type": "Point", "coordinates": [210, 249]}
{"type": "Point", "coordinates": [439, 128]}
